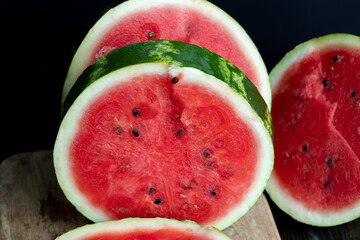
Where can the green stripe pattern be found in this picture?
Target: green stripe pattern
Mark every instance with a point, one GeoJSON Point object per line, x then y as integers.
{"type": "Point", "coordinates": [177, 54]}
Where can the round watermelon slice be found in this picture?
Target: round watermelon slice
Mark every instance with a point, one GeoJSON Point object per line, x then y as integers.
{"type": "Point", "coordinates": [192, 21]}
{"type": "Point", "coordinates": [316, 116]}
{"type": "Point", "coordinates": [164, 129]}
{"type": "Point", "coordinates": [147, 229]}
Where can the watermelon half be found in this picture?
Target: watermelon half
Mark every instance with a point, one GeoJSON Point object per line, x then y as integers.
{"type": "Point", "coordinates": [144, 229]}
{"type": "Point", "coordinates": [164, 129]}
{"type": "Point", "coordinates": [192, 21]}
{"type": "Point", "coordinates": [316, 116]}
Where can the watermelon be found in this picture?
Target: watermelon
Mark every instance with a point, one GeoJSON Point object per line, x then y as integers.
{"type": "Point", "coordinates": [192, 21]}
{"type": "Point", "coordinates": [164, 129]}
{"type": "Point", "coordinates": [144, 228]}
{"type": "Point", "coordinates": [316, 115]}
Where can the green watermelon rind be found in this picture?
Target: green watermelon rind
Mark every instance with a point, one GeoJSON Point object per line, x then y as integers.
{"type": "Point", "coordinates": [141, 224]}
{"type": "Point", "coordinates": [179, 54]}
{"type": "Point", "coordinates": [247, 46]}
{"type": "Point", "coordinates": [167, 54]}
{"type": "Point", "coordinates": [284, 201]}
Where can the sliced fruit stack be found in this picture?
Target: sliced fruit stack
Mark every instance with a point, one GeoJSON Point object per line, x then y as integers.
{"type": "Point", "coordinates": [165, 128]}
{"type": "Point", "coordinates": [192, 21]}
{"type": "Point", "coordinates": [316, 114]}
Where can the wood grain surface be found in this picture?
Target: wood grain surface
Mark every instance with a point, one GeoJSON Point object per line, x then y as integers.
{"type": "Point", "coordinates": [33, 207]}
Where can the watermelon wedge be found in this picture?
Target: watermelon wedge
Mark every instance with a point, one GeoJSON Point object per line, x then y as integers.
{"type": "Point", "coordinates": [316, 115]}
{"type": "Point", "coordinates": [192, 21]}
{"type": "Point", "coordinates": [164, 129]}
{"type": "Point", "coordinates": [147, 229]}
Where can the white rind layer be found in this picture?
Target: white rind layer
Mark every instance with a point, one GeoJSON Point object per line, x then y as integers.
{"type": "Point", "coordinates": [246, 45]}
{"type": "Point", "coordinates": [300, 51]}
{"type": "Point", "coordinates": [279, 195]}
{"type": "Point", "coordinates": [143, 224]}
{"type": "Point", "coordinates": [69, 128]}
{"type": "Point", "coordinates": [70, 124]}
{"type": "Point", "coordinates": [262, 138]}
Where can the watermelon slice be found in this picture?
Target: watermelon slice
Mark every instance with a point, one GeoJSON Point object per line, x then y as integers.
{"type": "Point", "coordinates": [316, 114]}
{"type": "Point", "coordinates": [144, 229]}
{"type": "Point", "coordinates": [164, 129]}
{"type": "Point", "coordinates": [191, 21]}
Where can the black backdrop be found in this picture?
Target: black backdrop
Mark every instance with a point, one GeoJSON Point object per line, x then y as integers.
{"type": "Point", "coordinates": [38, 39]}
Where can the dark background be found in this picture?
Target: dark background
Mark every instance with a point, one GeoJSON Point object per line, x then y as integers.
{"type": "Point", "coordinates": [39, 38]}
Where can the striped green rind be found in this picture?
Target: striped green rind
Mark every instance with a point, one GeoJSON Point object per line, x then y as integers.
{"type": "Point", "coordinates": [177, 54]}
{"type": "Point", "coordinates": [143, 224]}
{"type": "Point", "coordinates": [211, 72]}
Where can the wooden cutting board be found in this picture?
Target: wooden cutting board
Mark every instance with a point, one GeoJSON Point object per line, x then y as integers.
{"type": "Point", "coordinates": [33, 207]}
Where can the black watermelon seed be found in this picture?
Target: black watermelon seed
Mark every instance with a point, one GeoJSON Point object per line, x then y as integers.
{"type": "Point", "coordinates": [325, 82]}
{"type": "Point", "coordinates": [206, 154]}
{"type": "Point", "coordinates": [186, 186]}
{"type": "Point", "coordinates": [179, 132]}
{"type": "Point", "coordinates": [150, 34]}
{"type": "Point", "coordinates": [305, 148]}
{"type": "Point", "coordinates": [135, 133]}
{"type": "Point", "coordinates": [213, 192]}
{"type": "Point", "coordinates": [353, 94]}
{"type": "Point", "coordinates": [326, 184]}
{"type": "Point", "coordinates": [135, 112]}
{"type": "Point", "coordinates": [209, 164]}
{"type": "Point", "coordinates": [174, 80]}
{"type": "Point", "coordinates": [158, 201]}
{"type": "Point", "coordinates": [118, 129]}
{"type": "Point", "coordinates": [335, 59]}
{"type": "Point", "coordinates": [152, 190]}
{"type": "Point", "coordinates": [329, 162]}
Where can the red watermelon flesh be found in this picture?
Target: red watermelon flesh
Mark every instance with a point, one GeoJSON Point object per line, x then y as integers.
{"type": "Point", "coordinates": [316, 116]}
{"type": "Point", "coordinates": [153, 146]}
{"type": "Point", "coordinates": [163, 234]}
{"type": "Point", "coordinates": [174, 23]}
{"type": "Point", "coordinates": [144, 228]}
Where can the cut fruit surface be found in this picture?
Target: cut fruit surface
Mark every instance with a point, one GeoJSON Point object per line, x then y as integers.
{"type": "Point", "coordinates": [191, 21]}
{"type": "Point", "coordinates": [316, 113]}
{"type": "Point", "coordinates": [164, 138]}
{"type": "Point", "coordinates": [147, 229]}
